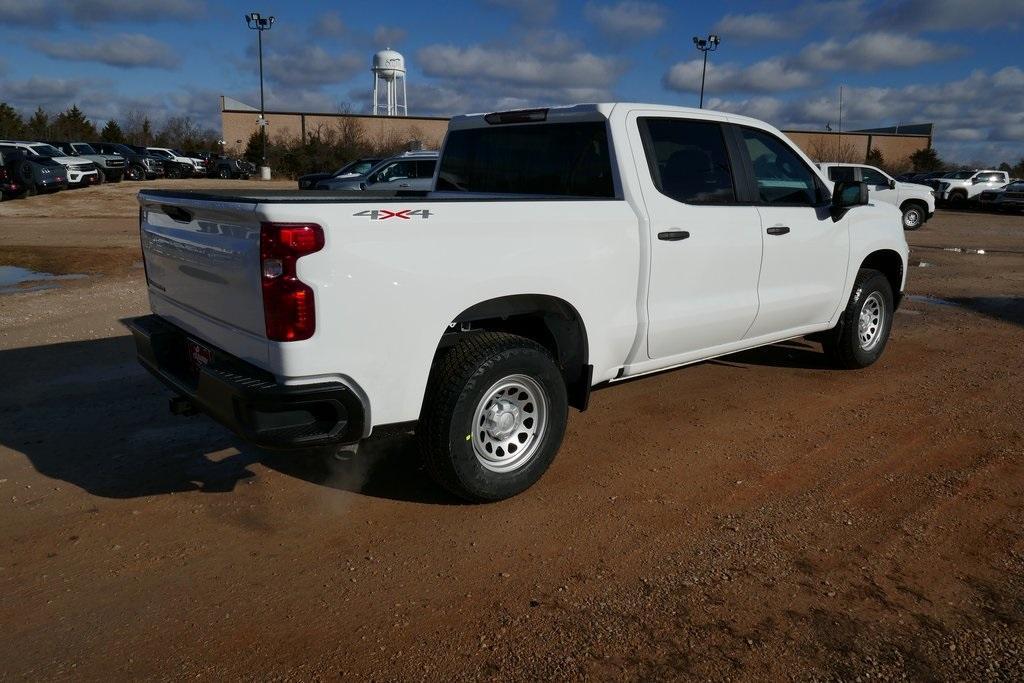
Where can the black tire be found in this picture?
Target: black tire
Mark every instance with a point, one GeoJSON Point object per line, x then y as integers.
{"type": "Point", "coordinates": [449, 421]}
{"type": "Point", "coordinates": [844, 343]}
{"type": "Point", "coordinates": [135, 173]}
{"type": "Point", "coordinates": [957, 198]}
{"type": "Point", "coordinates": [101, 177]}
{"type": "Point", "coordinates": [914, 216]}
{"type": "Point", "coordinates": [224, 173]}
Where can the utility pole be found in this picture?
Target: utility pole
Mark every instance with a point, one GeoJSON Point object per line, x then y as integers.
{"type": "Point", "coordinates": [259, 23]}
{"type": "Point", "coordinates": [705, 45]}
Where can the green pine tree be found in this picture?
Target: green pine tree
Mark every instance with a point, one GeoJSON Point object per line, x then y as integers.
{"type": "Point", "coordinates": [12, 126]}
{"type": "Point", "coordinates": [112, 132]}
{"type": "Point", "coordinates": [38, 126]}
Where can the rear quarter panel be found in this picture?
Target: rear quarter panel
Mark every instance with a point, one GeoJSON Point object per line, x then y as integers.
{"type": "Point", "coordinates": [387, 289]}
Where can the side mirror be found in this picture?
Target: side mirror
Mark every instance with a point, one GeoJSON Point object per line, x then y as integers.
{"type": "Point", "coordinates": [362, 186]}
{"type": "Point", "coordinates": [848, 194]}
{"type": "Point", "coordinates": [892, 184]}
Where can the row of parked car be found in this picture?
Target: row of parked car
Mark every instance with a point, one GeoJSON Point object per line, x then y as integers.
{"type": "Point", "coordinates": [28, 168]}
{"type": "Point", "coordinates": [405, 171]}
{"type": "Point", "coordinates": [989, 187]}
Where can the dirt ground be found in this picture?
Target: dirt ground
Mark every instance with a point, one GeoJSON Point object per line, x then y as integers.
{"type": "Point", "coordinates": [755, 518]}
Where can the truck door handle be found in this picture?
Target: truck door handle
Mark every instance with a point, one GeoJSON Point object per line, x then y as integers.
{"type": "Point", "coordinates": [778, 230]}
{"type": "Point", "coordinates": [673, 235]}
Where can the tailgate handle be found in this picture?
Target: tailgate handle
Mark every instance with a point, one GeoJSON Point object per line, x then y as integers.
{"type": "Point", "coordinates": [177, 213]}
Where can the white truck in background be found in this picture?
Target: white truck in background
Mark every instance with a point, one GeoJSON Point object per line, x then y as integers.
{"type": "Point", "coordinates": [561, 248]}
{"type": "Point", "coordinates": [957, 188]}
{"type": "Point", "coordinates": [915, 202]}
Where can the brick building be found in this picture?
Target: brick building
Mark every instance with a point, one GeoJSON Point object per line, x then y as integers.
{"type": "Point", "coordinates": [239, 121]}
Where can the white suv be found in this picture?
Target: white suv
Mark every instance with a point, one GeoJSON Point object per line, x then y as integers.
{"type": "Point", "coordinates": [916, 202]}
{"type": "Point", "coordinates": [80, 172]}
{"type": "Point", "coordinates": [958, 187]}
{"type": "Point", "coordinates": [198, 167]}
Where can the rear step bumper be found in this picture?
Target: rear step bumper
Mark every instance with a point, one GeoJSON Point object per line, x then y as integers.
{"type": "Point", "coordinates": [245, 398]}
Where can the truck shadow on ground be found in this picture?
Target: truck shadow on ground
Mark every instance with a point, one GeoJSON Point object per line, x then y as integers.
{"type": "Point", "coordinates": [795, 353]}
{"type": "Point", "coordinates": [86, 413]}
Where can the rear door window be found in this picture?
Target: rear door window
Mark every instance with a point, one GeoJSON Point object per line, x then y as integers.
{"type": "Point", "coordinates": [559, 159]}
{"type": "Point", "coordinates": [688, 160]}
{"type": "Point", "coordinates": [843, 174]}
{"type": "Point", "coordinates": [425, 168]}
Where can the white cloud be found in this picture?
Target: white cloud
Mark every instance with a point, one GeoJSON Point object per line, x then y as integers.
{"type": "Point", "coordinates": [125, 50]}
{"type": "Point", "coordinates": [756, 26]}
{"type": "Point", "coordinates": [980, 116]}
{"type": "Point", "coordinates": [512, 66]}
{"type": "Point", "coordinates": [874, 51]}
{"type": "Point", "coordinates": [311, 65]}
{"type": "Point", "coordinates": [949, 15]}
{"type": "Point", "coordinates": [626, 20]}
{"type": "Point", "coordinates": [769, 75]}
{"type": "Point", "coordinates": [389, 36]}
{"type": "Point", "coordinates": [782, 23]}
{"type": "Point", "coordinates": [530, 11]}
{"type": "Point", "coordinates": [330, 25]}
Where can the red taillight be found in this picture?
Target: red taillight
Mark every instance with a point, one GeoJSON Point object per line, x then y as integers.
{"type": "Point", "coordinates": [288, 306]}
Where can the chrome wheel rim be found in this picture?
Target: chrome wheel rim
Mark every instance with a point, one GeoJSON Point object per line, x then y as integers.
{"type": "Point", "coordinates": [509, 423]}
{"type": "Point", "coordinates": [912, 218]}
{"type": "Point", "coordinates": [871, 321]}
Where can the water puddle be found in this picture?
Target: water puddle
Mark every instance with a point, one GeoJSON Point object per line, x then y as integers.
{"type": "Point", "coordinates": [15, 279]}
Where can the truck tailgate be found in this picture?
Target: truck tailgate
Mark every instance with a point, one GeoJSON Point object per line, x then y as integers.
{"type": "Point", "coordinates": [204, 256]}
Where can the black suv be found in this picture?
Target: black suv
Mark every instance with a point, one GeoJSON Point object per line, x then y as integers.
{"type": "Point", "coordinates": [223, 166]}
{"type": "Point", "coordinates": [35, 174]}
{"type": "Point", "coordinates": [140, 165]}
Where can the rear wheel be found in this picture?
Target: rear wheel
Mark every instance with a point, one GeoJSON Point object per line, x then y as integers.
{"type": "Point", "coordinates": [957, 197]}
{"type": "Point", "coordinates": [863, 330]}
{"type": "Point", "coordinates": [493, 416]}
{"type": "Point", "coordinates": [135, 173]}
{"type": "Point", "coordinates": [224, 172]}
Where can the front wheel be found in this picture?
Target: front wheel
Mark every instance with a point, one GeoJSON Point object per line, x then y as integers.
{"type": "Point", "coordinates": [863, 330]}
{"type": "Point", "coordinates": [493, 416]}
{"type": "Point", "coordinates": [913, 217]}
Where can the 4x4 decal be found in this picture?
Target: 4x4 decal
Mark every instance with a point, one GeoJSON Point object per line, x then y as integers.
{"type": "Point", "coordinates": [384, 214]}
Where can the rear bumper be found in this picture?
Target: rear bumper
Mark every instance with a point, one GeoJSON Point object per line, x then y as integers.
{"type": "Point", "coordinates": [246, 399]}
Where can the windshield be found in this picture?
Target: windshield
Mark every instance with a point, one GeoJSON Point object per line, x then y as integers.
{"type": "Point", "coordinates": [959, 175]}
{"type": "Point", "coordinates": [47, 151]}
{"type": "Point", "coordinates": [358, 167]}
{"type": "Point", "coordinates": [83, 148]}
{"type": "Point", "coordinates": [161, 153]}
{"type": "Point", "coordinates": [179, 152]}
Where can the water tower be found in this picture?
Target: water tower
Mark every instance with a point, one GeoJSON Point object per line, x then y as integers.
{"type": "Point", "coordinates": [389, 67]}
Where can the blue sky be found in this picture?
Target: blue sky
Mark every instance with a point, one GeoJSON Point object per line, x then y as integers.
{"type": "Point", "coordinates": [955, 63]}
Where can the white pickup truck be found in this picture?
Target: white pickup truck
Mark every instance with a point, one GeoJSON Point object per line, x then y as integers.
{"type": "Point", "coordinates": [561, 249]}
{"type": "Point", "coordinates": [958, 187]}
{"type": "Point", "coordinates": [915, 202]}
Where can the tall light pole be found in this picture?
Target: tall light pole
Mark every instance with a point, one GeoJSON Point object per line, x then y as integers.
{"type": "Point", "coordinates": [257, 22]}
{"type": "Point", "coordinates": [705, 45]}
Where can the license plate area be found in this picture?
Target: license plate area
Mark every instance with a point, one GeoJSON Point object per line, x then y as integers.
{"type": "Point", "coordinates": [198, 356]}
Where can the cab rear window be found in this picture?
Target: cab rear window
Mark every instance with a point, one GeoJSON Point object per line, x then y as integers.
{"type": "Point", "coordinates": [553, 159]}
